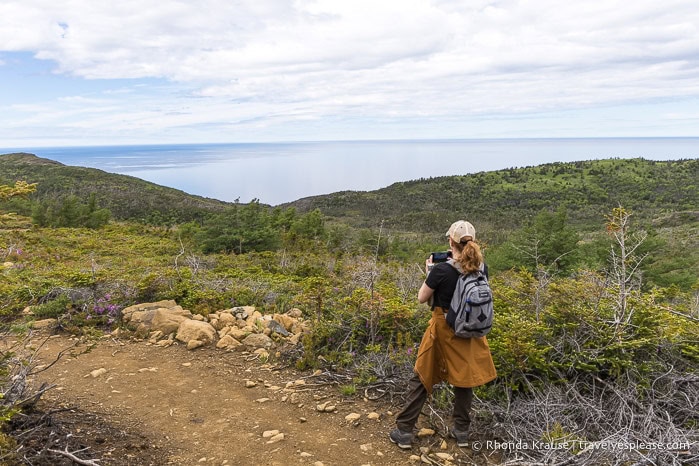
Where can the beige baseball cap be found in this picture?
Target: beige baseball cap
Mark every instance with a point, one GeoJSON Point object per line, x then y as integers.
{"type": "Point", "coordinates": [461, 230]}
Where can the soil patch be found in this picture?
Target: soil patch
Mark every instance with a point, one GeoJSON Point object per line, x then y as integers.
{"type": "Point", "coordinates": [130, 402]}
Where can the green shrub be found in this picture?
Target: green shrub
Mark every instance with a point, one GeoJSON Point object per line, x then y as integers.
{"type": "Point", "coordinates": [52, 309]}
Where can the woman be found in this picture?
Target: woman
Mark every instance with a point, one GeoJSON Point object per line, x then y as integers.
{"type": "Point", "coordinates": [463, 362]}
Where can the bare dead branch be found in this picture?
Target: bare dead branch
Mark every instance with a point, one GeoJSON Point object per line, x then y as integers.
{"type": "Point", "coordinates": [75, 459]}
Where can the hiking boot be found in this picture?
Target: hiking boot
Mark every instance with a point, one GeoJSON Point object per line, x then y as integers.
{"type": "Point", "coordinates": [402, 439]}
{"type": "Point", "coordinates": [461, 437]}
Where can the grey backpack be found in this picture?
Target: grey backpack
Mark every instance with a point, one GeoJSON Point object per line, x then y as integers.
{"type": "Point", "coordinates": [471, 309]}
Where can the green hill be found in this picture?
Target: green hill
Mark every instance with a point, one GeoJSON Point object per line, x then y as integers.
{"type": "Point", "coordinates": [125, 196]}
{"type": "Point", "coordinates": [506, 199]}
{"type": "Point", "coordinates": [666, 192]}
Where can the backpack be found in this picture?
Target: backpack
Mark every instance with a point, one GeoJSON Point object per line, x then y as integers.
{"type": "Point", "coordinates": [471, 309]}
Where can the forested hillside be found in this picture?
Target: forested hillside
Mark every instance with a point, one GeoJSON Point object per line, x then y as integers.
{"type": "Point", "coordinates": [507, 198]}
{"type": "Point", "coordinates": [126, 197]}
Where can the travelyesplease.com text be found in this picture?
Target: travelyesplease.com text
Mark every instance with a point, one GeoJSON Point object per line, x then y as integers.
{"type": "Point", "coordinates": [578, 445]}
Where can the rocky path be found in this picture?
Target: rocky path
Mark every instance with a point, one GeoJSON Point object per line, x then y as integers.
{"type": "Point", "coordinates": [224, 408]}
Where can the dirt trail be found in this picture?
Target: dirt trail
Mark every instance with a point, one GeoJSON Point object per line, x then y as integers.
{"type": "Point", "coordinates": [194, 407]}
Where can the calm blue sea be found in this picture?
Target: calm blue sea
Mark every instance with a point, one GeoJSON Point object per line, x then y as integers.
{"type": "Point", "coordinates": [283, 172]}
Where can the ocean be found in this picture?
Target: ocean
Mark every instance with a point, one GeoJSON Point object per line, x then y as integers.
{"type": "Point", "coordinates": [276, 173]}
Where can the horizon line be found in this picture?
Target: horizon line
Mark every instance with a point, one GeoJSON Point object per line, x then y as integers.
{"type": "Point", "coordinates": [321, 141]}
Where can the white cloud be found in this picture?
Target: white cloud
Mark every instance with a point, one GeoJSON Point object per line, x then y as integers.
{"type": "Point", "coordinates": [310, 59]}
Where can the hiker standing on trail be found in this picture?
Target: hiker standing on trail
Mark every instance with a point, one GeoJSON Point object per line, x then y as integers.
{"type": "Point", "coordinates": [463, 362]}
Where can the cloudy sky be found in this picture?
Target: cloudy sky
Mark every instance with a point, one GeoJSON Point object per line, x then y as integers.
{"type": "Point", "coordinates": [83, 72]}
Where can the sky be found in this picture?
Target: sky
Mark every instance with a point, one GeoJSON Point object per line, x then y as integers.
{"type": "Point", "coordinates": [85, 72]}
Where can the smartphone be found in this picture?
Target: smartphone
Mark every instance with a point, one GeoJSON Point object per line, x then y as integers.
{"type": "Point", "coordinates": [441, 256]}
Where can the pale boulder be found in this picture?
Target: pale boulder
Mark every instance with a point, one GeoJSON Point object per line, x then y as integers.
{"type": "Point", "coordinates": [258, 340]}
{"type": "Point", "coordinates": [128, 311]}
{"type": "Point", "coordinates": [44, 324]}
{"type": "Point", "coordinates": [169, 320]}
{"type": "Point", "coordinates": [253, 318]}
{"type": "Point", "coordinates": [194, 344]}
{"type": "Point", "coordinates": [237, 333]}
{"type": "Point", "coordinates": [225, 319]}
{"type": "Point", "coordinates": [228, 342]}
{"type": "Point", "coordinates": [195, 330]}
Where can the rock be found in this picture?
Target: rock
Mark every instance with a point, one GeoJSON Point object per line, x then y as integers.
{"type": "Point", "coordinates": [194, 344]}
{"type": "Point", "coordinates": [444, 445]}
{"type": "Point", "coordinates": [141, 320]}
{"type": "Point", "coordinates": [366, 447]}
{"type": "Point", "coordinates": [305, 455]}
{"type": "Point", "coordinates": [444, 456]}
{"type": "Point", "coordinates": [294, 339]}
{"type": "Point", "coordinates": [43, 324]}
{"type": "Point", "coordinates": [168, 320]}
{"type": "Point", "coordinates": [262, 400]}
{"type": "Point", "coordinates": [300, 327]}
{"type": "Point", "coordinates": [253, 318]}
{"type": "Point", "coordinates": [257, 341]}
{"type": "Point", "coordinates": [414, 458]}
{"type": "Point", "coordinates": [351, 417]}
{"type": "Point", "coordinates": [27, 311]}
{"type": "Point", "coordinates": [237, 333]}
{"type": "Point", "coordinates": [127, 312]}
{"type": "Point", "coordinates": [199, 317]}
{"type": "Point", "coordinates": [195, 330]}
{"type": "Point", "coordinates": [269, 433]}
{"type": "Point", "coordinates": [374, 416]}
{"type": "Point", "coordinates": [225, 319]}
{"type": "Point", "coordinates": [285, 320]}
{"type": "Point", "coordinates": [326, 407]}
{"type": "Point", "coordinates": [250, 384]}
{"type": "Point", "coordinates": [425, 432]}
{"type": "Point", "coordinates": [165, 343]}
{"type": "Point", "coordinates": [245, 310]}
{"type": "Point", "coordinates": [277, 438]}
{"type": "Point", "coordinates": [98, 372]}
{"type": "Point", "coordinates": [228, 342]}
{"type": "Point", "coordinates": [277, 327]}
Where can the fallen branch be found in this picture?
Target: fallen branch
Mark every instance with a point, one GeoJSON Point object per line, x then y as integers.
{"type": "Point", "coordinates": [74, 458]}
